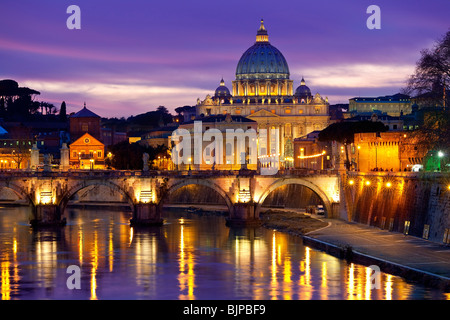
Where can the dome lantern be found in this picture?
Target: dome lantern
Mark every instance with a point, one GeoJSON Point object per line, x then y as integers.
{"type": "Point", "coordinates": [262, 35]}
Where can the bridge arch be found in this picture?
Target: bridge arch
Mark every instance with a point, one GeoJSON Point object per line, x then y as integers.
{"type": "Point", "coordinates": [19, 191]}
{"type": "Point", "coordinates": [202, 182]}
{"type": "Point", "coordinates": [308, 184]}
{"type": "Point", "coordinates": [85, 184]}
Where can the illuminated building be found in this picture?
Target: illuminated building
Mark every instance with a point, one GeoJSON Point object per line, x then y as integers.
{"type": "Point", "coordinates": [310, 153]}
{"type": "Point", "coordinates": [395, 105]}
{"type": "Point", "coordinates": [226, 156]}
{"type": "Point", "coordinates": [386, 151]}
{"type": "Point", "coordinates": [84, 121]}
{"type": "Point", "coordinates": [263, 91]}
{"type": "Point", "coordinates": [87, 153]}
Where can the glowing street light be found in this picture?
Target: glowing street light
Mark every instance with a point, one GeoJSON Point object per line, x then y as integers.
{"type": "Point", "coordinates": [440, 154]}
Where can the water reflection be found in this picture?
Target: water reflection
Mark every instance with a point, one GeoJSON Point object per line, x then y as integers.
{"type": "Point", "coordinates": [190, 257]}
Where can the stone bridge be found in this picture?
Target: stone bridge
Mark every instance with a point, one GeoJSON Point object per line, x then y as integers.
{"type": "Point", "coordinates": [244, 191]}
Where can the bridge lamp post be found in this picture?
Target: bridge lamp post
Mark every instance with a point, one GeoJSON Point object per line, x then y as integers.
{"type": "Point", "coordinates": [92, 164]}
{"type": "Point", "coordinates": [359, 148]}
{"type": "Point", "coordinates": [440, 154]}
{"type": "Point", "coordinates": [190, 159]}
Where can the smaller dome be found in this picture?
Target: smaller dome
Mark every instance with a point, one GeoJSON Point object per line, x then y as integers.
{"type": "Point", "coordinates": [222, 91]}
{"type": "Point", "coordinates": [302, 90]}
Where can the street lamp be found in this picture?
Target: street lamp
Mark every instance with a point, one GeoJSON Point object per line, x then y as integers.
{"type": "Point", "coordinates": [190, 159]}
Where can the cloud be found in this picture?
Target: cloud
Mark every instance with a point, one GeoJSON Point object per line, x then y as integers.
{"type": "Point", "coordinates": [358, 75]}
{"type": "Point", "coordinates": [115, 99]}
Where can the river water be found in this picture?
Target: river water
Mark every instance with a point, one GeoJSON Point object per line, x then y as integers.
{"type": "Point", "coordinates": [189, 257]}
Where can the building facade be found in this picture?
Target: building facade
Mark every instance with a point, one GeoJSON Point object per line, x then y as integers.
{"type": "Point", "coordinates": [87, 153]}
{"type": "Point", "coordinates": [219, 149]}
{"type": "Point", "coordinates": [84, 121]}
{"type": "Point", "coordinates": [386, 151]}
{"type": "Point", "coordinates": [263, 92]}
{"type": "Point", "coordinates": [395, 105]}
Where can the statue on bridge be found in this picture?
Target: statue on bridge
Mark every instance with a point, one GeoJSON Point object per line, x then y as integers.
{"type": "Point", "coordinates": [145, 158]}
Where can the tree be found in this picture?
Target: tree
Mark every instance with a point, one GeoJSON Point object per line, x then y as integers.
{"type": "Point", "coordinates": [63, 112]}
{"type": "Point", "coordinates": [128, 156]}
{"type": "Point", "coordinates": [431, 79]}
{"type": "Point", "coordinates": [430, 83]}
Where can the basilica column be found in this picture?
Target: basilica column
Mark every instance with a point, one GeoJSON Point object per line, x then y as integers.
{"type": "Point", "coordinates": [281, 144]}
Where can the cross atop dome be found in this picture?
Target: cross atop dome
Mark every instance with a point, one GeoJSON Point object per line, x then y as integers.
{"type": "Point", "coordinates": [262, 35]}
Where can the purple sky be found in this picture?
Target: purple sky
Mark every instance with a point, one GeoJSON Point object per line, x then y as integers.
{"type": "Point", "coordinates": [132, 56]}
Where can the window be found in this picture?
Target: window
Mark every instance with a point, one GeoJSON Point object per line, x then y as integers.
{"type": "Point", "coordinates": [252, 111]}
{"type": "Point", "coordinates": [300, 111]}
{"type": "Point", "coordinates": [273, 110]}
{"type": "Point", "coordinates": [85, 127]}
{"type": "Point", "coordinates": [99, 154]}
{"type": "Point", "coordinates": [287, 111]}
{"type": "Point", "coordinates": [228, 149]}
{"type": "Point", "coordinates": [317, 110]}
{"type": "Point", "coordinates": [74, 155]}
{"type": "Point", "coordinates": [238, 111]}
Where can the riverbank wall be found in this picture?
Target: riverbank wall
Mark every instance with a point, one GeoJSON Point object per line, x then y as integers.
{"type": "Point", "coordinates": [416, 204]}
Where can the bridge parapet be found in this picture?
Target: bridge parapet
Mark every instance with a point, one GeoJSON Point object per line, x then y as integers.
{"type": "Point", "coordinates": [244, 191]}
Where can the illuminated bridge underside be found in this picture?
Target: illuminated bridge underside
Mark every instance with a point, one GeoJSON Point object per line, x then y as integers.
{"type": "Point", "coordinates": [243, 191]}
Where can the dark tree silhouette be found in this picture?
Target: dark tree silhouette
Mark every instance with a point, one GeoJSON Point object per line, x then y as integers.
{"type": "Point", "coordinates": [430, 83]}
{"type": "Point", "coordinates": [63, 112]}
{"type": "Point", "coordinates": [431, 79]}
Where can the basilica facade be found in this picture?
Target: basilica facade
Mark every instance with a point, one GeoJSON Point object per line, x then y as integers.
{"type": "Point", "coordinates": [263, 92]}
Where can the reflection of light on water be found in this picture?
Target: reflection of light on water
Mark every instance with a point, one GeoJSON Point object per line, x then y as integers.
{"type": "Point", "coordinates": [305, 290]}
{"type": "Point", "coordinates": [324, 283]}
{"type": "Point", "coordinates": [111, 248]}
{"type": "Point", "coordinates": [6, 286]}
{"type": "Point", "coordinates": [186, 279]}
{"type": "Point", "coordinates": [287, 279]}
{"type": "Point", "coordinates": [368, 283]}
{"type": "Point", "coordinates": [351, 282]}
{"type": "Point", "coordinates": [46, 260]}
{"type": "Point", "coordinates": [80, 245]}
{"type": "Point", "coordinates": [273, 269]}
{"type": "Point", "coordinates": [388, 287]}
{"type": "Point", "coordinates": [131, 236]}
{"type": "Point", "coordinates": [94, 268]}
